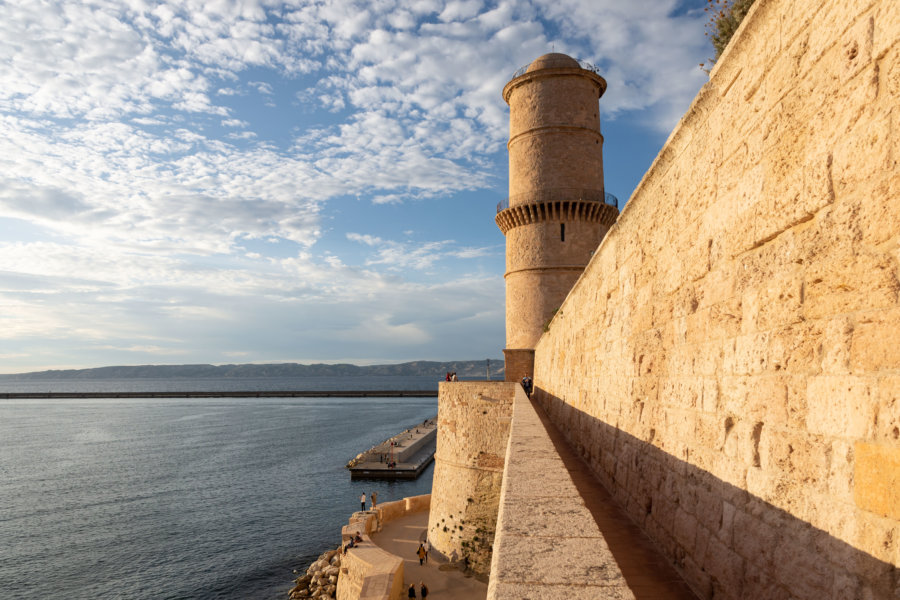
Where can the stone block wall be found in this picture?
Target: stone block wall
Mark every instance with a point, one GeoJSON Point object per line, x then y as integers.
{"type": "Point", "coordinates": [729, 363]}
{"type": "Point", "coordinates": [473, 430]}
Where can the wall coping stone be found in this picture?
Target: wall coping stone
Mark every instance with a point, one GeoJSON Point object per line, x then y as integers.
{"type": "Point", "coordinates": [547, 542]}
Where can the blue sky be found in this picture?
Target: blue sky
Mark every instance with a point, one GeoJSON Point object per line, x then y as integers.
{"type": "Point", "coordinates": [220, 181]}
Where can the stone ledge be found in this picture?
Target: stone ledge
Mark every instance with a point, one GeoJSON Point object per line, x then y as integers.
{"type": "Point", "coordinates": [547, 545]}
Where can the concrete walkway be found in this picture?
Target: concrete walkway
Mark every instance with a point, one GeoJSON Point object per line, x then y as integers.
{"type": "Point", "coordinates": [401, 537]}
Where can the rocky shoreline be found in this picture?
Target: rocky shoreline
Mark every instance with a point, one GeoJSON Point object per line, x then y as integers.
{"type": "Point", "coordinates": [320, 580]}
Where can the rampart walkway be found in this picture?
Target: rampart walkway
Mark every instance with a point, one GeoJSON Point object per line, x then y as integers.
{"type": "Point", "coordinates": [559, 533]}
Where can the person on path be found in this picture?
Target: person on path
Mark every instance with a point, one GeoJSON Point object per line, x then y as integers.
{"type": "Point", "coordinates": [427, 546]}
{"type": "Point", "coordinates": [421, 554]}
{"type": "Point", "coordinates": [362, 501]}
{"type": "Point", "coordinates": [412, 591]}
{"type": "Point", "coordinates": [423, 589]}
{"type": "Point", "coordinates": [374, 497]}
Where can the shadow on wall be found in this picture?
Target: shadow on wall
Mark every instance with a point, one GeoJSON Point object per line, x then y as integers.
{"type": "Point", "coordinates": [726, 542]}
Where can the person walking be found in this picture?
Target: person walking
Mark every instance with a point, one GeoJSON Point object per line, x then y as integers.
{"type": "Point", "coordinates": [362, 501]}
{"type": "Point", "coordinates": [412, 591]}
{"type": "Point", "coordinates": [427, 546]}
{"type": "Point", "coordinates": [423, 589]}
{"type": "Point", "coordinates": [421, 554]}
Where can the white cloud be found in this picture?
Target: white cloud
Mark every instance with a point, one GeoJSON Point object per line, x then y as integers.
{"type": "Point", "coordinates": [364, 239]}
{"type": "Point", "coordinates": [147, 219]}
{"type": "Point", "coordinates": [262, 87]}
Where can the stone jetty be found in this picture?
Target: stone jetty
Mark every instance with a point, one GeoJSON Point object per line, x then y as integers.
{"type": "Point", "coordinates": [403, 456]}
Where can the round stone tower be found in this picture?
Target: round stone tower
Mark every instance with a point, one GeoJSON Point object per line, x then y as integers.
{"type": "Point", "coordinates": [557, 211]}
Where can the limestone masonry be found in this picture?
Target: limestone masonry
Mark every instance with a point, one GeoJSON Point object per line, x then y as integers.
{"type": "Point", "coordinates": [728, 363]}
{"type": "Point", "coordinates": [556, 214]}
{"type": "Point", "coordinates": [473, 426]}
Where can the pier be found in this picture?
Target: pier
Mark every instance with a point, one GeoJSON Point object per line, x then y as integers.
{"type": "Point", "coordinates": [404, 456]}
{"type": "Point", "coordinates": [228, 394]}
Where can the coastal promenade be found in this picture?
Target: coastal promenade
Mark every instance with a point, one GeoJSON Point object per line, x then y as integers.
{"type": "Point", "coordinates": [401, 538]}
{"type": "Point", "coordinates": [384, 564]}
{"type": "Point", "coordinates": [228, 394]}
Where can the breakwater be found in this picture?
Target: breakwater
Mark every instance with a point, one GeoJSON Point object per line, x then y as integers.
{"type": "Point", "coordinates": [228, 394]}
{"type": "Point", "coordinates": [403, 456]}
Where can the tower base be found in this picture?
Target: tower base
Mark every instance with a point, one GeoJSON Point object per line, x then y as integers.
{"type": "Point", "coordinates": [519, 363]}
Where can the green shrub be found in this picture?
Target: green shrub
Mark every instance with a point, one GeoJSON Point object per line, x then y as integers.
{"type": "Point", "coordinates": [725, 18]}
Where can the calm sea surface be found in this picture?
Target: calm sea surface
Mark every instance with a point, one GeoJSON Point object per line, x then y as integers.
{"type": "Point", "coordinates": [185, 498]}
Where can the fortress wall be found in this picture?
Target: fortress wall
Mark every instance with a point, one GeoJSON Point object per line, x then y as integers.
{"type": "Point", "coordinates": [729, 363]}
{"type": "Point", "coordinates": [473, 430]}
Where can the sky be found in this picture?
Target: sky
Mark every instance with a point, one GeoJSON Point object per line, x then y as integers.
{"type": "Point", "coordinates": [236, 181]}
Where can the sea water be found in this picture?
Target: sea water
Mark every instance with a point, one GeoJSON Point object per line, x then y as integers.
{"type": "Point", "coordinates": [184, 498]}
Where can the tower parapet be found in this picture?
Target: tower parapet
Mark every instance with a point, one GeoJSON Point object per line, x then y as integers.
{"type": "Point", "coordinates": [558, 210]}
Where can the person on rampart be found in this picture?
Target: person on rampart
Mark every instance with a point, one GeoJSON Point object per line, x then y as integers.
{"type": "Point", "coordinates": [374, 497]}
{"type": "Point", "coordinates": [421, 554]}
{"type": "Point", "coordinates": [527, 385]}
{"type": "Point", "coordinates": [362, 501]}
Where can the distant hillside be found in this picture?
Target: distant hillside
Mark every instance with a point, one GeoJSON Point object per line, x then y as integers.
{"type": "Point", "coordinates": [463, 368]}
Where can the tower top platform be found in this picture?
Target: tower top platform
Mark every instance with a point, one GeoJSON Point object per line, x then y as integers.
{"type": "Point", "coordinates": [554, 64]}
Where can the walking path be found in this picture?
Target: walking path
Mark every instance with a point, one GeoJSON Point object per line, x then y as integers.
{"type": "Point", "coordinates": [402, 537]}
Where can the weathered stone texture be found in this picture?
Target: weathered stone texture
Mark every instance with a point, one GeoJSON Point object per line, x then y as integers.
{"type": "Point", "coordinates": [728, 364]}
{"type": "Point", "coordinates": [473, 430]}
{"type": "Point", "coordinates": [554, 128]}
{"type": "Point", "coordinates": [555, 176]}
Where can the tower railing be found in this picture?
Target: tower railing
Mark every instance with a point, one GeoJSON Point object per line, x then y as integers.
{"type": "Point", "coordinates": [557, 194]}
{"type": "Point", "coordinates": [581, 63]}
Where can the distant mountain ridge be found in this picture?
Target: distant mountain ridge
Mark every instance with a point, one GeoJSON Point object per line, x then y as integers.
{"type": "Point", "coordinates": [463, 368]}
